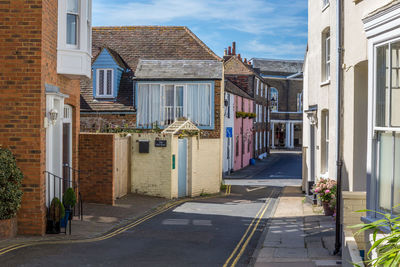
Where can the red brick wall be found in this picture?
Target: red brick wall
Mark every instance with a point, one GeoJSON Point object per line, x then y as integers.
{"type": "Point", "coordinates": [28, 56]}
{"type": "Point", "coordinates": [96, 156]}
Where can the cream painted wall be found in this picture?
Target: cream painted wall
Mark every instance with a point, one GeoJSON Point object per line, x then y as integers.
{"type": "Point", "coordinates": [204, 174]}
{"type": "Point", "coordinates": [355, 54]}
{"type": "Point", "coordinates": [152, 172]}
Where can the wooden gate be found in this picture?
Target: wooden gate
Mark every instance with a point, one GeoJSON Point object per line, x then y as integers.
{"type": "Point", "coordinates": [121, 166]}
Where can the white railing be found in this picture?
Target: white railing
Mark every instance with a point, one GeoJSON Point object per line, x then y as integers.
{"type": "Point", "coordinates": [171, 113]}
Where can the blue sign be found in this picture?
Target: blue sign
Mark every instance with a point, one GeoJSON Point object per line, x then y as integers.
{"type": "Point", "coordinates": [229, 133]}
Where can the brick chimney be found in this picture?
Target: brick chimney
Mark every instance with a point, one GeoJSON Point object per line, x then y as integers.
{"type": "Point", "coordinates": [229, 50]}
{"type": "Point", "coordinates": [233, 48]}
{"type": "Point", "coordinates": [225, 52]}
{"type": "Point", "coordinates": [239, 57]}
{"type": "Point", "coordinates": [245, 60]}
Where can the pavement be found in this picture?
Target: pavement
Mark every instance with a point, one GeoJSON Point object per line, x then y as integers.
{"type": "Point", "coordinates": [99, 219]}
{"type": "Point", "coordinates": [298, 234]}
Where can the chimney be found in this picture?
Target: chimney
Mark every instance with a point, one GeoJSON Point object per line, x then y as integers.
{"type": "Point", "coordinates": [239, 57]}
{"type": "Point", "coordinates": [233, 48]}
{"type": "Point", "coordinates": [225, 52]}
{"type": "Point", "coordinates": [245, 60]}
{"type": "Point", "coordinates": [229, 50]}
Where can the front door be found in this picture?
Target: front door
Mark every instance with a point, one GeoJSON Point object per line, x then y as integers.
{"type": "Point", "coordinates": [67, 147]}
{"type": "Point", "coordinates": [182, 167]}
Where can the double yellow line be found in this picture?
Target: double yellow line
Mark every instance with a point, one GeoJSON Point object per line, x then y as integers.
{"type": "Point", "coordinates": [244, 241]}
{"type": "Point", "coordinates": [104, 237]}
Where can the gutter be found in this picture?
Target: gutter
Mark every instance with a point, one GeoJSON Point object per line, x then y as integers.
{"type": "Point", "coordinates": [339, 163]}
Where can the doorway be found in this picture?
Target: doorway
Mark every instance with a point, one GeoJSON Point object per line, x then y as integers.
{"type": "Point", "coordinates": [67, 147]}
{"type": "Point", "coordinates": [182, 167]}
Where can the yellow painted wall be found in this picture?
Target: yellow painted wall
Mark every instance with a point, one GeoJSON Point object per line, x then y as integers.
{"type": "Point", "coordinates": [204, 166]}
{"type": "Point", "coordinates": [152, 172]}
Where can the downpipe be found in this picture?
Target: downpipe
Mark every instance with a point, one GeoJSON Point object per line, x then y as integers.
{"type": "Point", "coordinates": [339, 163]}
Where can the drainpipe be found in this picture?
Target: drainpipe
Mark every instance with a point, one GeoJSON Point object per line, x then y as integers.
{"type": "Point", "coordinates": [338, 242]}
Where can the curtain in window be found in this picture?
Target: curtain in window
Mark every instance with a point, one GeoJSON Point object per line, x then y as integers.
{"type": "Point", "coordinates": [396, 191]}
{"type": "Point", "coordinates": [395, 72]}
{"type": "Point", "coordinates": [204, 108]}
{"type": "Point", "coordinates": [155, 105]}
{"type": "Point", "coordinates": [385, 170]}
{"type": "Point", "coordinates": [72, 21]}
{"type": "Point", "coordinates": [109, 82]}
{"type": "Point", "coordinates": [382, 85]}
{"type": "Point", "coordinates": [143, 104]}
{"type": "Point", "coordinates": [101, 82]}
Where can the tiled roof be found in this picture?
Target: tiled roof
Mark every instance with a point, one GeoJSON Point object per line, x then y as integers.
{"type": "Point", "coordinates": [179, 69]}
{"type": "Point", "coordinates": [277, 66]}
{"type": "Point", "coordinates": [151, 42]}
{"type": "Point", "coordinates": [235, 89]}
{"type": "Point", "coordinates": [128, 44]}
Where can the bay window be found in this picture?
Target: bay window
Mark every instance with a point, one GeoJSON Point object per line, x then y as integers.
{"type": "Point", "coordinates": [162, 103]}
{"type": "Point", "coordinates": [72, 22]}
{"type": "Point", "coordinates": [386, 126]}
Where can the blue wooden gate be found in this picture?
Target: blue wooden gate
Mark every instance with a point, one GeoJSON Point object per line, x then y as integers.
{"type": "Point", "coordinates": [182, 167]}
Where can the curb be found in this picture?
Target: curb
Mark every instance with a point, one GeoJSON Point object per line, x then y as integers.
{"type": "Point", "coordinates": [263, 236]}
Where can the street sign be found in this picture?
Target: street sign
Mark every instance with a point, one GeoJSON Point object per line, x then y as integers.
{"type": "Point", "coordinates": [229, 132]}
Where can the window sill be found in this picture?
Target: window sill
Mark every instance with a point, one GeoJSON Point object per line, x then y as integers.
{"type": "Point", "coordinates": [325, 7]}
{"type": "Point", "coordinates": [104, 97]}
{"type": "Point", "coordinates": [327, 82]}
{"type": "Point", "coordinates": [324, 175]}
{"type": "Point", "coordinates": [368, 219]}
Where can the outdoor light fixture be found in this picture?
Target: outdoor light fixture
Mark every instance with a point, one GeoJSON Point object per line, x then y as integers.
{"type": "Point", "coordinates": [53, 116]}
{"type": "Point", "coordinates": [312, 116]}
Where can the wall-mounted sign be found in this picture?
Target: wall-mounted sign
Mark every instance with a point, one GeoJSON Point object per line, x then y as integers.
{"type": "Point", "coordinates": [160, 143]}
{"type": "Point", "coordinates": [229, 132]}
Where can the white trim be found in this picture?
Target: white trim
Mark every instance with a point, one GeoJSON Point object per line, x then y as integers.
{"type": "Point", "coordinates": [327, 82]}
{"type": "Point", "coordinates": [325, 6]}
{"type": "Point", "coordinates": [105, 81]}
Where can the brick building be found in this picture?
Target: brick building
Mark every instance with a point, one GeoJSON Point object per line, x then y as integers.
{"type": "Point", "coordinates": [43, 55]}
{"type": "Point", "coordinates": [241, 73]}
{"type": "Point", "coordinates": [119, 52]}
{"type": "Point", "coordinates": [285, 78]}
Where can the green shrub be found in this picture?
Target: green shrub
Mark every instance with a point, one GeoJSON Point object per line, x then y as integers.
{"type": "Point", "coordinates": [10, 183]}
{"type": "Point", "coordinates": [57, 210]}
{"type": "Point", "coordinates": [69, 198]}
{"type": "Point", "coordinates": [387, 247]}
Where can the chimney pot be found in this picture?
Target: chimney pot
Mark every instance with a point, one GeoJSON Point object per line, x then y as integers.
{"type": "Point", "coordinates": [233, 48]}
{"type": "Point", "coordinates": [239, 57]}
{"type": "Point", "coordinates": [229, 50]}
{"type": "Point", "coordinates": [245, 60]}
{"type": "Point", "coordinates": [225, 52]}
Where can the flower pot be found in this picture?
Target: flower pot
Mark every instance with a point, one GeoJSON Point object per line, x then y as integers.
{"type": "Point", "coordinates": [8, 228]}
{"type": "Point", "coordinates": [328, 211]}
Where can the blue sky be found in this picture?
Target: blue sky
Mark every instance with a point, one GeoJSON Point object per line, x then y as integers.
{"type": "Point", "coordinates": [274, 29]}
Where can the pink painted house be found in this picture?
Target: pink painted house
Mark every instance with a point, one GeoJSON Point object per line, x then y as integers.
{"type": "Point", "coordinates": [243, 126]}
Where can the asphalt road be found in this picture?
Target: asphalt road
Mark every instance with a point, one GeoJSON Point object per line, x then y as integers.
{"type": "Point", "coordinates": [196, 233]}
{"type": "Point", "coordinates": [281, 166]}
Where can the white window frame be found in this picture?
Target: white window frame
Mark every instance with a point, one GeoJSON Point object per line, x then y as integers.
{"type": "Point", "coordinates": [184, 85]}
{"type": "Point", "coordinates": [299, 102]}
{"type": "Point", "coordinates": [78, 23]}
{"type": "Point", "coordinates": [326, 56]}
{"type": "Point", "coordinates": [377, 130]}
{"type": "Point", "coordinates": [105, 95]}
{"type": "Point", "coordinates": [277, 98]}
{"type": "Point", "coordinates": [325, 144]}
{"type": "Point", "coordinates": [257, 86]}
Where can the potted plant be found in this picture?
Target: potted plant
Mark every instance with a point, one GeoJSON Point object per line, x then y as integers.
{"type": "Point", "coordinates": [10, 193]}
{"type": "Point", "coordinates": [56, 212]}
{"type": "Point", "coordinates": [69, 201]}
{"type": "Point", "coordinates": [326, 192]}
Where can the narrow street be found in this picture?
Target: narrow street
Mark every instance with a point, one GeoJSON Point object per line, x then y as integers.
{"type": "Point", "coordinates": [212, 231]}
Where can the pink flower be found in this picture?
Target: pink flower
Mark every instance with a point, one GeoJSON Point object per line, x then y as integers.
{"type": "Point", "coordinates": [316, 190]}
{"type": "Point", "coordinates": [327, 191]}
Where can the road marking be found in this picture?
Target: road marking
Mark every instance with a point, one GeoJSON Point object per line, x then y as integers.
{"type": "Point", "coordinates": [250, 236]}
{"type": "Point", "coordinates": [103, 237]}
{"type": "Point", "coordinates": [255, 189]}
{"type": "Point", "coordinates": [261, 211]}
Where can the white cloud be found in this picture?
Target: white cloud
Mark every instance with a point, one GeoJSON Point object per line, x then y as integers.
{"type": "Point", "coordinates": [270, 50]}
{"type": "Point", "coordinates": [250, 16]}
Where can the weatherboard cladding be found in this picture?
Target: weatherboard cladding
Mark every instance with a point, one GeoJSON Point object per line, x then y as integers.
{"type": "Point", "coordinates": [179, 69]}
{"type": "Point", "coordinates": [139, 42]}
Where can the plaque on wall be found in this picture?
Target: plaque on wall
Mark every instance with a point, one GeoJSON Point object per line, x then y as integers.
{"type": "Point", "coordinates": [160, 143]}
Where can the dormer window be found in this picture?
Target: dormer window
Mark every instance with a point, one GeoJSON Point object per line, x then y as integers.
{"type": "Point", "coordinates": [72, 22]}
{"type": "Point", "coordinates": [105, 83]}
